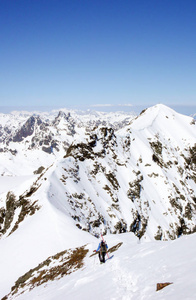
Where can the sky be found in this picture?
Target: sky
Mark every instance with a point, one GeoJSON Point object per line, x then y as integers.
{"type": "Point", "coordinates": [97, 53]}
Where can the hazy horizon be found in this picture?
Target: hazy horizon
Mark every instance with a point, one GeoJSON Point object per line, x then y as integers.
{"type": "Point", "coordinates": [188, 110]}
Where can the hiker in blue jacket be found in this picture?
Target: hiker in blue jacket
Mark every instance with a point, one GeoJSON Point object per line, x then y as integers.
{"type": "Point", "coordinates": [102, 249]}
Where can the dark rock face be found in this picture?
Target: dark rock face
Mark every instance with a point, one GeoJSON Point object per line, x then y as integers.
{"type": "Point", "coordinates": [27, 129]}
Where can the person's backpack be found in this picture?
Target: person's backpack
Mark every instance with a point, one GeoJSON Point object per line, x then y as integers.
{"type": "Point", "coordinates": [103, 247]}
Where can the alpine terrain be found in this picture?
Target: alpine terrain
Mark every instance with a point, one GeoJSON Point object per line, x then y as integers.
{"type": "Point", "coordinates": [68, 176]}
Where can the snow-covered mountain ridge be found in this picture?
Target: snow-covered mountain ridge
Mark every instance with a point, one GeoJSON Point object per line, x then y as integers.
{"type": "Point", "coordinates": [65, 178]}
{"type": "Point", "coordinates": [146, 168]}
{"type": "Point", "coordinates": [136, 175]}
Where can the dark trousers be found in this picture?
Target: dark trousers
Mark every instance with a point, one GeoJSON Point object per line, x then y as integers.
{"type": "Point", "coordinates": [102, 256]}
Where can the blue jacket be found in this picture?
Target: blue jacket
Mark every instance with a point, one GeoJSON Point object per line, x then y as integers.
{"type": "Point", "coordinates": [100, 246]}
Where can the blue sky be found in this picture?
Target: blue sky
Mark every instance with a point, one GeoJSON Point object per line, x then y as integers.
{"type": "Point", "coordinates": [97, 53]}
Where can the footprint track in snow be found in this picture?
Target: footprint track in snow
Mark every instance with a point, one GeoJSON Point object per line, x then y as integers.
{"type": "Point", "coordinates": [125, 281]}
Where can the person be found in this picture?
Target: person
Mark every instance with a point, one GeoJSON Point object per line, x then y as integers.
{"type": "Point", "coordinates": [102, 249]}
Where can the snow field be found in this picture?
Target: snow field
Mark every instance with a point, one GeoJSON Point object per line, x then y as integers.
{"type": "Point", "coordinates": [131, 274]}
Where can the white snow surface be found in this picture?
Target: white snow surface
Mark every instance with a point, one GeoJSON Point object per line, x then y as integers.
{"type": "Point", "coordinates": [132, 272]}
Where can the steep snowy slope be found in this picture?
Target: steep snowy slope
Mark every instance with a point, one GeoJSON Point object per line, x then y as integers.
{"type": "Point", "coordinates": [32, 230]}
{"type": "Point", "coordinates": [132, 273]}
{"type": "Point", "coordinates": [140, 178]}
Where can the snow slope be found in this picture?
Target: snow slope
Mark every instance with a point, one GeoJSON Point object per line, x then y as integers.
{"type": "Point", "coordinates": [132, 273]}
{"type": "Point", "coordinates": [140, 178]}
{"type": "Point", "coordinates": [44, 233]}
